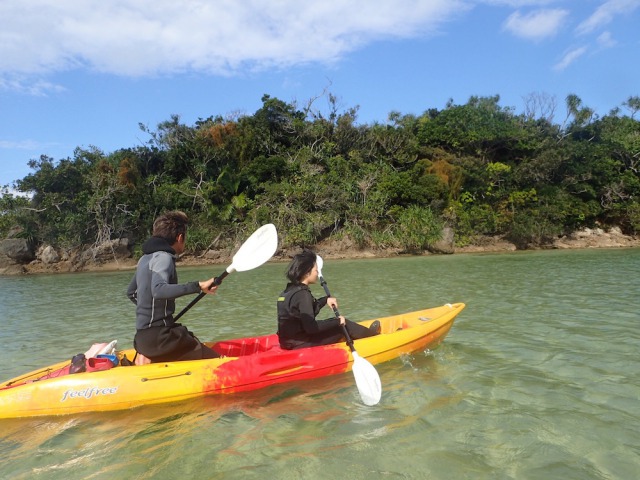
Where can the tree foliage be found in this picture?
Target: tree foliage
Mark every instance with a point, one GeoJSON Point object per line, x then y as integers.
{"type": "Point", "coordinates": [478, 167]}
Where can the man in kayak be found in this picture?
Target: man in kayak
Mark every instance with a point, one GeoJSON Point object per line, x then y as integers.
{"type": "Point", "coordinates": [297, 310]}
{"type": "Point", "coordinates": [154, 288]}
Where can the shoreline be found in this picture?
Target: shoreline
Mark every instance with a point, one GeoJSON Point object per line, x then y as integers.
{"type": "Point", "coordinates": [585, 239]}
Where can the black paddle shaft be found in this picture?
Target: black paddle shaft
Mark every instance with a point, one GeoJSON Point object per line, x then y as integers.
{"type": "Point", "coordinates": [335, 310]}
{"type": "Point", "coordinates": [216, 281]}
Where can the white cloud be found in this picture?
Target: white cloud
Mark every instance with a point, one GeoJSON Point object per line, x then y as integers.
{"type": "Point", "coordinates": [150, 37]}
{"type": "Point", "coordinates": [29, 145]}
{"type": "Point", "coordinates": [535, 25]}
{"type": "Point", "coordinates": [570, 57]}
{"type": "Point", "coordinates": [27, 85]}
{"type": "Point", "coordinates": [605, 40]}
{"type": "Point", "coordinates": [605, 14]}
{"type": "Point", "coordinates": [22, 145]}
{"type": "Point", "coordinates": [518, 3]}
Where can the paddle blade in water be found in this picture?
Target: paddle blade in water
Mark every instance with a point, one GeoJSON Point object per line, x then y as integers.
{"type": "Point", "coordinates": [367, 380]}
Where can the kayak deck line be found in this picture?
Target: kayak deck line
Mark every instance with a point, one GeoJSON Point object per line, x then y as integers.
{"type": "Point", "coordinates": [147, 379]}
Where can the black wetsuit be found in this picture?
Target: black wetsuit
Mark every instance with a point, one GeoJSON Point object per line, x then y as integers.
{"type": "Point", "coordinates": [297, 324]}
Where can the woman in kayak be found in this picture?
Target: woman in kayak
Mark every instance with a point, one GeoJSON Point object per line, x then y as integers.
{"type": "Point", "coordinates": [297, 310]}
{"type": "Point", "coordinates": [154, 288]}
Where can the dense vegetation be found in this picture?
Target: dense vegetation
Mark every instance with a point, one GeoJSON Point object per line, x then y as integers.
{"type": "Point", "coordinates": [479, 167]}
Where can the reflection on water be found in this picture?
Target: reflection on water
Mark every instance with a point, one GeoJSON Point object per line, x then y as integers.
{"type": "Point", "coordinates": [538, 378]}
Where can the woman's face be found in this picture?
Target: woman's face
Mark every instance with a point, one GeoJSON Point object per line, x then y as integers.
{"type": "Point", "coordinates": [312, 276]}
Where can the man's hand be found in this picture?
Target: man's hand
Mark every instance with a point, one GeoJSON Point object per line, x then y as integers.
{"type": "Point", "coordinates": [207, 286]}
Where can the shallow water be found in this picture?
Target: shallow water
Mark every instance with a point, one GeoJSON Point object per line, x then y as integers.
{"type": "Point", "coordinates": [539, 377]}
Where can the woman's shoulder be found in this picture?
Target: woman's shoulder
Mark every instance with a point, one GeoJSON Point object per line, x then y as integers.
{"type": "Point", "coordinates": [293, 288]}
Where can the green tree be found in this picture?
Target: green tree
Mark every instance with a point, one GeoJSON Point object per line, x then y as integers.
{"type": "Point", "coordinates": [315, 172]}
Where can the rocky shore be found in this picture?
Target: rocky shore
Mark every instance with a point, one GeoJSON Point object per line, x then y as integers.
{"type": "Point", "coordinates": [17, 259]}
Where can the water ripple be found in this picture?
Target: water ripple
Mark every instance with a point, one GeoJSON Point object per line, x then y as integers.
{"type": "Point", "coordinates": [539, 377]}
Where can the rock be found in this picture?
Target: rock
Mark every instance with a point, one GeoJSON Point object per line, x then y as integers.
{"type": "Point", "coordinates": [13, 269]}
{"type": "Point", "coordinates": [107, 251]}
{"type": "Point", "coordinates": [48, 255]}
{"type": "Point", "coordinates": [17, 249]}
{"type": "Point", "coordinates": [216, 256]}
{"type": "Point", "coordinates": [488, 244]}
{"type": "Point", "coordinates": [595, 238]}
{"type": "Point", "coordinates": [446, 244]}
{"type": "Point", "coordinates": [341, 247]}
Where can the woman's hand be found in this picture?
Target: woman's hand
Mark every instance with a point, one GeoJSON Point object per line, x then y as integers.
{"type": "Point", "coordinates": [332, 302]}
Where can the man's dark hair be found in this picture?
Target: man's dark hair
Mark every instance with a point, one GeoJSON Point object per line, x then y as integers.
{"type": "Point", "coordinates": [169, 225]}
{"type": "Point", "coordinates": [300, 266]}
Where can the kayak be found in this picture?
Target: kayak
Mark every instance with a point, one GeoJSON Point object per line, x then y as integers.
{"type": "Point", "coordinates": [246, 364]}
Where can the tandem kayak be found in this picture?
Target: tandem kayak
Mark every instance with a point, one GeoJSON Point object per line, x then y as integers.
{"type": "Point", "coordinates": [246, 364]}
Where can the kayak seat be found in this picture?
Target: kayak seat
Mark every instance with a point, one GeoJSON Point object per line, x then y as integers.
{"type": "Point", "coordinates": [246, 346]}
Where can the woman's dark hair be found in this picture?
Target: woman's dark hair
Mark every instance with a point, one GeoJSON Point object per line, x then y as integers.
{"type": "Point", "coordinates": [300, 266]}
{"type": "Point", "coordinates": [170, 225]}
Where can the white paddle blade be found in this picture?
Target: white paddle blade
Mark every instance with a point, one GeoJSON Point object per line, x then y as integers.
{"type": "Point", "coordinates": [256, 250]}
{"type": "Point", "coordinates": [319, 264]}
{"type": "Point", "coordinates": [367, 380]}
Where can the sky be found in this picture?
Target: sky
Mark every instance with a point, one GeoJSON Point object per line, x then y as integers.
{"type": "Point", "coordinates": [88, 73]}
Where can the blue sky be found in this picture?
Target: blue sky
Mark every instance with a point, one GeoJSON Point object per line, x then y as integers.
{"type": "Point", "coordinates": [86, 73]}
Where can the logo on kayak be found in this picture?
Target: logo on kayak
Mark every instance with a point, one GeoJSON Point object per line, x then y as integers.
{"type": "Point", "coordinates": [89, 392]}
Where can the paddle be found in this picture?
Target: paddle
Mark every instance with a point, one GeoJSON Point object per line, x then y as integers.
{"type": "Point", "coordinates": [255, 251]}
{"type": "Point", "coordinates": [367, 378]}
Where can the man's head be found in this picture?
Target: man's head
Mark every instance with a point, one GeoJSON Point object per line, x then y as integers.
{"type": "Point", "coordinates": [172, 226]}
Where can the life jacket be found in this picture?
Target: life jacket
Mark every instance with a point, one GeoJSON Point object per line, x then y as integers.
{"type": "Point", "coordinates": [284, 302]}
{"type": "Point", "coordinates": [289, 332]}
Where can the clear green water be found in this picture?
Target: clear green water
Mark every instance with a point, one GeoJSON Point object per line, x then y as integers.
{"type": "Point", "coordinates": [539, 377]}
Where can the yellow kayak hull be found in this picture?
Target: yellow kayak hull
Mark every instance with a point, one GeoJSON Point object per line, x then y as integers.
{"type": "Point", "coordinates": [246, 364]}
